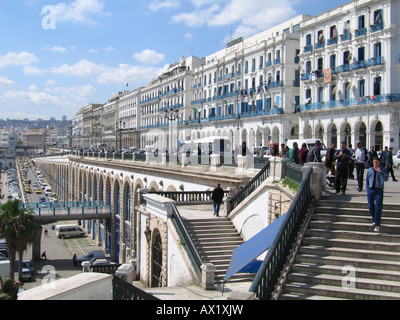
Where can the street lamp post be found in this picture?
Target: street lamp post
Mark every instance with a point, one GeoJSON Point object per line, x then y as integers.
{"type": "Point", "coordinates": [172, 115]}
{"type": "Point", "coordinates": [118, 129]}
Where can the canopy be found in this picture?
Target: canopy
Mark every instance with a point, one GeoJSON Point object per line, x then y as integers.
{"type": "Point", "coordinates": [242, 258]}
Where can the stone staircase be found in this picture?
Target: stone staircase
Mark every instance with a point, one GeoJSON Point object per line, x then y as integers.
{"type": "Point", "coordinates": [340, 234]}
{"type": "Point", "coordinates": [215, 240]}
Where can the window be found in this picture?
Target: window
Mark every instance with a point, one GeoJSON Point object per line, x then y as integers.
{"type": "Point", "coordinates": [346, 90]}
{"type": "Point", "coordinates": [377, 86]}
{"type": "Point", "coordinates": [320, 94]}
{"type": "Point", "coordinates": [261, 62]}
{"type": "Point", "coordinates": [333, 93]}
{"type": "Point", "coordinates": [346, 27]}
{"type": "Point", "coordinates": [308, 66]}
{"type": "Point", "coordinates": [278, 76]}
{"type": "Point", "coordinates": [287, 30]}
{"type": "Point", "coordinates": [296, 28]}
{"type": "Point", "coordinates": [320, 36]}
{"type": "Point", "coordinates": [333, 61]}
{"type": "Point", "coordinates": [362, 88]}
{"type": "Point", "coordinates": [378, 19]}
{"type": "Point", "coordinates": [320, 63]}
{"type": "Point", "coordinates": [308, 40]}
{"type": "Point", "coordinates": [346, 57]}
{"type": "Point", "coordinates": [333, 32]}
{"type": "Point", "coordinates": [361, 54]}
{"type": "Point", "coordinates": [361, 22]}
{"type": "Point", "coordinates": [377, 50]}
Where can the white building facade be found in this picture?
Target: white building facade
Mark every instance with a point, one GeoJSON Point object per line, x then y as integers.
{"type": "Point", "coordinates": [350, 75]}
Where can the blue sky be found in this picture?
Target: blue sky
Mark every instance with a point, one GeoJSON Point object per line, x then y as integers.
{"type": "Point", "coordinates": [56, 57]}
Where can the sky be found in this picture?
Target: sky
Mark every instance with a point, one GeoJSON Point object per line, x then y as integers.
{"type": "Point", "coordinates": [57, 57]}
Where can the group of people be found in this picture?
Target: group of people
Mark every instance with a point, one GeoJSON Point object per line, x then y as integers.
{"type": "Point", "coordinates": [341, 164]}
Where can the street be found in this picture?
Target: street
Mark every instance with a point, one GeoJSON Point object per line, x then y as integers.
{"type": "Point", "coordinates": [59, 252]}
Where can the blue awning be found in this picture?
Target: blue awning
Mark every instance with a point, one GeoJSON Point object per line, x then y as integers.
{"type": "Point", "coordinates": [244, 256]}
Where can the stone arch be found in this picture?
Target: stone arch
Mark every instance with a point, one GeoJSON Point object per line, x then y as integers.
{"type": "Point", "coordinates": [275, 135]}
{"type": "Point", "coordinates": [377, 130]}
{"type": "Point", "coordinates": [294, 132]}
{"type": "Point", "coordinates": [332, 134]}
{"type": "Point", "coordinates": [360, 131]}
{"type": "Point", "coordinates": [171, 188]}
{"type": "Point", "coordinates": [345, 133]}
{"type": "Point", "coordinates": [253, 225]}
{"type": "Point", "coordinates": [252, 138]}
{"type": "Point", "coordinates": [307, 131]}
{"type": "Point", "coordinates": [108, 190]}
{"type": "Point", "coordinates": [267, 136]}
{"type": "Point", "coordinates": [153, 186]}
{"type": "Point", "coordinates": [319, 132]}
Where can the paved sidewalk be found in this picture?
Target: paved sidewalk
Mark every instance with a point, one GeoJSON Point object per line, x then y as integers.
{"type": "Point", "coordinates": [392, 195]}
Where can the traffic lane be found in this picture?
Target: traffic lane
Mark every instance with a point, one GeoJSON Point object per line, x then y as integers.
{"type": "Point", "coordinates": [34, 197]}
{"type": "Point", "coordinates": [58, 265]}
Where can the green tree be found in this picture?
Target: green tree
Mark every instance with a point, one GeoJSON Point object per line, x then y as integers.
{"type": "Point", "coordinates": [18, 228]}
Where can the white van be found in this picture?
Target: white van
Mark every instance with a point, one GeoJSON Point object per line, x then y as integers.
{"type": "Point", "coordinates": [48, 191]}
{"type": "Point", "coordinates": [66, 231]}
{"type": "Point", "coordinates": [310, 143]}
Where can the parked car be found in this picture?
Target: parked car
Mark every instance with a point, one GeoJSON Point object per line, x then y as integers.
{"type": "Point", "coordinates": [98, 254]}
{"type": "Point", "coordinates": [396, 161]}
{"type": "Point", "coordinates": [26, 275]}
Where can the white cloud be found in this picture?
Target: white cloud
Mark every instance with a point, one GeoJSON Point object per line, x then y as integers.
{"type": "Point", "coordinates": [55, 49]}
{"type": "Point", "coordinates": [80, 11]}
{"type": "Point", "coordinates": [188, 36]}
{"type": "Point", "coordinates": [250, 17]}
{"type": "Point", "coordinates": [83, 68]}
{"type": "Point", "coordinates": [4, 82]}
{"type": "Point", "coordinates": [55, 97]}
{"type": "Point", "coordinates": [33, 71]}
{"type": "Point", "coordinates": [50, 83]}
{"type": "Point", "coordinates": [148, 56]}
{"type": "Point", "coordinates": [110, 49]}
{"type": "Point", "coordinates": [17, 59]}
{"type": "Point", "coordinates": [164, 4]}
{"type": "Point", "coordinates": [126, 73]}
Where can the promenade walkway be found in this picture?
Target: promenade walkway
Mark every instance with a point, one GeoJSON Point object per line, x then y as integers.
{"type": "Point", "coordinates": [392, 192]}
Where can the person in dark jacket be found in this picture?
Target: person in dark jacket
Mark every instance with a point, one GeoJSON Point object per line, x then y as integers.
{"type": "Point", "coordinates": [9, 289]}
{"type": "Point", "coordinates": [329, 160]}
{"type": "Point", "coordinates": [303, 154]}
{"type": "Point", "coordinates": [314, 155]}
{"type": "Point", "coordinates": [342, 157]}
{"type": "Point", "coordinates": [217, 197]}
{"type": "Point", "coordinates": [389, 163]}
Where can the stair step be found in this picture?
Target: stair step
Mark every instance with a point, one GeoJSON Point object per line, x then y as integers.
{"type": "Point", "coordinates": [353, 235]}
{"type": "Point", "coordinates": [351, 252]}
{"type": "Point", "coordinates": [362, 205]}
{"type": "Point", "coordinates": [350, 226]}
{"type": "Point", "coordinates": [348, 261]}
{"type": "Point", "coordinates": [302, 296]}
{"type": "Point", "coordinates": [350, 243]}
{"type": "Point", "coordinates": [354, 211]}
{"type": "Point", "coordinates": [354, 218]}
{"type": "Point", "coordinates": [339, 271]}
{"type": "Point", "coordinates": [339, 292]}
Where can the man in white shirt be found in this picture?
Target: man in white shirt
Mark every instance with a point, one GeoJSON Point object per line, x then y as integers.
{"type": "Point", "coordinates": [360, 158]}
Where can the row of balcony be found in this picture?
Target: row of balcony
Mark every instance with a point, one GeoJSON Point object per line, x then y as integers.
{"type": "Point", "coordinates": [348, 67]}
{"type": "Point", "coordinates": [242, 115]}
{"type": "Point", "coordinates": [349, 102]}
{"type": "Point", "coordinates": [344, 37]}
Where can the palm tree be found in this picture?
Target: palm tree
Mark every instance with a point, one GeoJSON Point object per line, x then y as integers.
{"type": "Point", "coordinates": [18, 228]}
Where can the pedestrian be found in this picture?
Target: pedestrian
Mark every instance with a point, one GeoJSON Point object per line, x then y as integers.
{"type": "Point", "coordinates": [342, 158]}
{"type": "Point", "coordinates": [217, 197]}
{"type": "Point", "coordinates": [303, 154]}
{"type": "Point", "coordinates": [9, 289]}
{"type": "Point", "coordinates": [376, 178]}
{"type": "Point", "coordinates": [314, 154]}
{"type": "Point", "coordinates": [360, 158]}
{"type": "Point", "coordinates": [294, 154]}
{"type": "Point", "coordinates": [389, 163]}
{"type": "Point", "coordinates": [244, 149]}
{"type": "Point", "coordinates": [351, 162]}
{"type": "Point", "coordinates": [44, 256]}
{"type": "Point", "coordinates": [383, 157]}
{"type": "Point", "coordinates": [328, 163]}
{"type": "Point", "coordinates": [372, 155]}
{"type": "Point", "coordinates": [46, 232]}
{"type": "Point", "coordinates": [75, 260]}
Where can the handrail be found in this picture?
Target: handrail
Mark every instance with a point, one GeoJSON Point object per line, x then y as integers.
{"type": "Point", "coordinates": [124, 291]}
{"type": "Point", "coordinates": [249, 188]}
{"type": "Point", "coordinates": [270, 270]}
{"type": "Point", "coordinates": [187, 197]}
{"type": "Point", "coordinates": [188, 243]}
